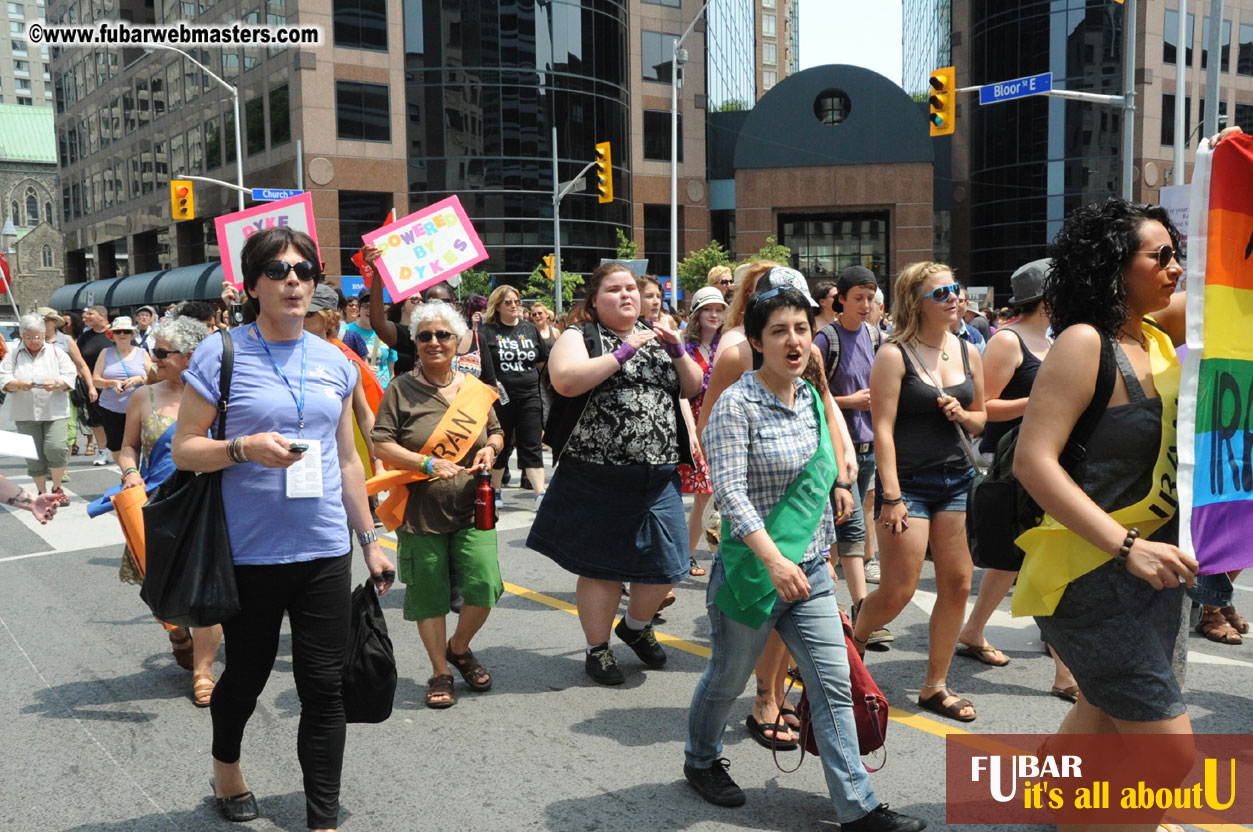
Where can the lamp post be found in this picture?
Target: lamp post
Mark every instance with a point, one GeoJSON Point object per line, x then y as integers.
{"type": "Point", "coordinates": [674, 160]}
{"type": "Point", "coordinates": [234, 91]}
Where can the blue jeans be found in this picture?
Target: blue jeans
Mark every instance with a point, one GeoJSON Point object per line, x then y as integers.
{"type": "Point", "coordinates": [814, 636]}
{"type": "Point", "coordinates": [854, 531]}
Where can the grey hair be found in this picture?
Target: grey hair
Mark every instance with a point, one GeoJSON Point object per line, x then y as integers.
{"type": "Point", "coordinates": [437, 310]}
{"type": "Point", "coordinates": [183, 333]}
{"type": "Point", "coordinates": [32, 322]}
{"type": "Point", "coordinates": [878, 296]}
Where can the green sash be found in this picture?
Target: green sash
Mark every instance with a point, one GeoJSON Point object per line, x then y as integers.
{"type": "Point", "coordinates": [748, 595]}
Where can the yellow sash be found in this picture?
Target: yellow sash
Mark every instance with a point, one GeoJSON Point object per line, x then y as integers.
{"type": "Point", "coordinates": [1055, 556]}
{"type": "Point", "coordinates": [461, 425]}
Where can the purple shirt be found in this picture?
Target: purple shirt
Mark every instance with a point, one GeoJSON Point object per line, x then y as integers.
{"type": "Point", "coordinates": [853, 374]}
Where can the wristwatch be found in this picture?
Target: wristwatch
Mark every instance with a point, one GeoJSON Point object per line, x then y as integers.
{"type": "Point", "coordinates": [368, 537]}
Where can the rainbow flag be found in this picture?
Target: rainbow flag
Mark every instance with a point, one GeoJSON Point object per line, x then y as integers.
{"type": "Point", "coordinates": [1216, 401]}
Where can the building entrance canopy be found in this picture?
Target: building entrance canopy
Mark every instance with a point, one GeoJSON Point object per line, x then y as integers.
{"type": "Point", "coordinates": [200, 282]}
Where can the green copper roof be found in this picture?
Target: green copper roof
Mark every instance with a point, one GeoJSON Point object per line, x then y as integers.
{"type": "Point", "coordinates": [27, 134]}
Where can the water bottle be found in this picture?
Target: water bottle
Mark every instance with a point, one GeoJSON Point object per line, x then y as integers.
{"type": "Point", "coordinates": [484, 502]}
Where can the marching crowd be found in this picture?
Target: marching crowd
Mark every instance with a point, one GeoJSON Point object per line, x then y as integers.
{"type": "Point", "coordinates": [814, 430]}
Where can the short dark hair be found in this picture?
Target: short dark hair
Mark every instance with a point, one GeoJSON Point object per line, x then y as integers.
{"type": "Point", "coordinates": [431, 291]}
{"type": "Point", "coordinates": [823, 288]}
{"type": "Point", "coordinates": [363, 297]}
{"type": "Point", "coordinates": [267, 245]}
{"type": "Point", "coordinates": [760, 310]}
{"type": "Point", "coordinates": [198, 309]}
{"type": "Point", "coordinates": [1095, 244]}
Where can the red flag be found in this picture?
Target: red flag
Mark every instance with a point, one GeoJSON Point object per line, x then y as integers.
{"type": "Point", "coordinates": [5, 274]}
{"type": "Point", "coordinates": [367, 272]}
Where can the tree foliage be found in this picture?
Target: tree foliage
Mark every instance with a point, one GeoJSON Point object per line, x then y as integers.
{"type": "Point", "coordinates": [628, 249]}
{"type": "Point", "coordinates": [475, 282]}
{"type": "Point", "coordinates": [694, 268]}
{"type": "Point", "coordinates": [775, 251]}
{"type": "Point", "coordinates": [539, 286]}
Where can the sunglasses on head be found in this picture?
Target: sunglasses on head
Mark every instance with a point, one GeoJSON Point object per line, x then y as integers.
{"type": "Point", "coordinates": [441, 335]}
{"type": "Point", "coordinates": [940, 293]}
{"type": "Point", "coordinates": [164, 354]}
{"type": "Point", "coordinates": [1165, 254]}
{"type": "Point", "coordinates": [278, 270]}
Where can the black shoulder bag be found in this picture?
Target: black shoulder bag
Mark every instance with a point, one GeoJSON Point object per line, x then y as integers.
{"type": "Point", "coordinates": [190, 579]}
{"type": "Point", "coordinates": [370, 664]}
{"type": "Point", "coordinates": [999, 509]}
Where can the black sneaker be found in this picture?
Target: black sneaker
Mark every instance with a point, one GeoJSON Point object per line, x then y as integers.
{"type": "Point", "coordinates": [643, 642]}
{"type": "Point", "coordinates": [714, 784]}
{"type": "Point", "coordinates": [602, 666]}
{"type": "Point", "coordinates": [883, 819]}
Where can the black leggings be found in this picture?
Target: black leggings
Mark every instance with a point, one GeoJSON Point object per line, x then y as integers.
{"type": "Point", "coordinates": [317, 597]}
{"type": "Point", "coordinates": [523, 424]}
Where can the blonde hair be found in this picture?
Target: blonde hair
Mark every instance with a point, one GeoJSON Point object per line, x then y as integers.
{"type": "Point", "coordinates": [716, 274]}
{"type": "Point", "coordinates": [746, 276]}
{"type": "Point", "coordinates": [492, 315]}
{"type": "Point", "coordinates": [906, 298]}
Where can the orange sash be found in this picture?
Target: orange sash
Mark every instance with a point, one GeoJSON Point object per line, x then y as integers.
{"type": "Point", "coordinates": [462, 423]}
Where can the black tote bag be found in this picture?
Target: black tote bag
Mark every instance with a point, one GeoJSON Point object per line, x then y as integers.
{"type": "Point", "coordinates": [190, 579]}
{"type": "Point", "coordinates": [370, 664]}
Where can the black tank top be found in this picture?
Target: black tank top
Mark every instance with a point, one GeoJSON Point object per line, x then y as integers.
{"type": "Point", "coordinates": [1019, 387]}
{"type": "Point", "coordinates": [924, 438]}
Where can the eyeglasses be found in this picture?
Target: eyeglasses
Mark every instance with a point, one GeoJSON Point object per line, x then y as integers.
{"type": "Point", "coordinates": [726, 281]}
{"type": "Point", "coordinates": [940, 293]}
{"type": "Point", "coordinates": [511, 302]}
{"type": "Point", "coordinates": [1165, 254]}
{"type": "Point", "coordinates": [441, 335]}
{"type": "Point", "coordinates": [279, 269]}
{"type": "Point", "coordinates": [161, 354]}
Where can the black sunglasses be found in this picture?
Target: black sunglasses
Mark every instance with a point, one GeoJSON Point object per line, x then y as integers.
{"type": "Point", "coordinates": [726, 281]}
{"type": "Point", "coordinates": [164, 354]}
{"type": "Point", "coordinates": [441, 335]}
{"type": "Point", "coordinates": [278, 270]}
{"type": "Point", "coordinates": [1164, 255]}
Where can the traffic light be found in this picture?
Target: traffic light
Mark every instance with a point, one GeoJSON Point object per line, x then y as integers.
{"type": "Point", "coordinates": [182, 199]}
{"type": "Point", "coordinates": [550, 266]}
{"type": "Point", "coordinates": [604, 172]}
{"type": "Point", "coordinates": [943, 115]}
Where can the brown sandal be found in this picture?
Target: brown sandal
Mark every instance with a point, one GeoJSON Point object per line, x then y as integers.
{"type": "Point", "coordinates": [1215, 627]}
{"type": "Point", "coordinates": [935, 704]}
{"type": "Point", "coordinates": [202, 686]}
{"type": "Point", "coordinates": [180, 643]}
{"type": "Point", "coordinates": [1235, 619]}
{"type": "Point", "coordinates": [470, 668]}
{"type": "Point", "coordinates": [439, 686]}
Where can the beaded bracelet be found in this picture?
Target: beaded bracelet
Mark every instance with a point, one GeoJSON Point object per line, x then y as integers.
{"type": "Point", "coordinates": [1120, 559]}
{"type": "Point", "coordinates": [130, 470]}
{"type": "Point", "coordinates": [429, 467]}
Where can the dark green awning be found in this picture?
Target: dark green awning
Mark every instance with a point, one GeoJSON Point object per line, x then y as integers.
{"type": "Point", "coordinates": [200, 282]}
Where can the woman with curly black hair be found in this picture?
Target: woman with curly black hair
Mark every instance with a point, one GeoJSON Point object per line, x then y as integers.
{"type": "Point", "coordinates": [1104, 563]}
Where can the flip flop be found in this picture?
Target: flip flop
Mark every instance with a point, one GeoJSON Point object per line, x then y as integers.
{"type": "Point", "coordinates": [1070, 694]}
{"type": "Point", "coordinates": [757, 730]}
{"type": "Point", "coordinates": [980, 654]}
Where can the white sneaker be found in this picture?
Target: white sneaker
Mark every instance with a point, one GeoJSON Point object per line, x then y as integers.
{"type": "Point", "coordinates": [102, 457]}
{"type": "Point", "coordinates": [872, 571]}
{"type": "Point", "coordinates": [539, 498]}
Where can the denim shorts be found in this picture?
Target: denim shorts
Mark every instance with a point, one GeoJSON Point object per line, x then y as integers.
{"type": "Point", "coordinates": [932, 490]}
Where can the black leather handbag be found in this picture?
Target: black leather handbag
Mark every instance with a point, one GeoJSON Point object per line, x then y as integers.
{"type": "Point", "coordinates": [190, 578]}
{"type": "Point", "coordinates": [370, 664]}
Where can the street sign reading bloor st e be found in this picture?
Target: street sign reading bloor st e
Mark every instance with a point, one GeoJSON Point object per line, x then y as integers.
{"type": "Point", "coordinates": [1017, 88]}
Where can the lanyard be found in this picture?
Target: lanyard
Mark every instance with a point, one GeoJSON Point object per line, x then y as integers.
{"type": "Point", "coordinates": [122, 360]}
{"type": "Point", "coordinates": [304, 353]}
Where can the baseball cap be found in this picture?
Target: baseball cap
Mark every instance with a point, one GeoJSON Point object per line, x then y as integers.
{"type": "Point", "coordinates": [1028, 281]}
{"type": "Point", "coordinates": [705, 296]}
{"type": "Point", "coordinates": [148, 309]}
{"type": "Point", "coordinates": [324, 297]}
{"type": "Point", "coordinates": [855, 276]}
{"type": "Point", "coordinates": [791, 278]}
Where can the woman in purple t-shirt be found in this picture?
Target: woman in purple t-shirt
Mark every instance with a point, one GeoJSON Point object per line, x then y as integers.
{"type": "Point", "coordinates": [289, 466]}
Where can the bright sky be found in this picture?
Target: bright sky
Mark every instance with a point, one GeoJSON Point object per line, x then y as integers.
{"type": "Point", "coordinates": [860, 32]}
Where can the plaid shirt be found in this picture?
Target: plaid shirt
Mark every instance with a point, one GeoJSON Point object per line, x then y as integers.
{"type": "Point", "coordinates": [756, 447]}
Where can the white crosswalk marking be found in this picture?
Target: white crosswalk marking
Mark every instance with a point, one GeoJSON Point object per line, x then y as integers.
{"type": "Point", "coordinates": [71, 529]}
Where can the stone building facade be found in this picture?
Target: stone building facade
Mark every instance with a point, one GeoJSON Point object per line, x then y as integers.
{"type": "Point", "coordinates": [28, 189]}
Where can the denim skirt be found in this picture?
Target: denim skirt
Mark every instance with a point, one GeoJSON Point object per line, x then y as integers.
{"type": "Point", "coordinates": [614, 522]}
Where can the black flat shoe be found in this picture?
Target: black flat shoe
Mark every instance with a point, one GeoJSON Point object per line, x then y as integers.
{"type": "Point", "coordinates": [237, 808]}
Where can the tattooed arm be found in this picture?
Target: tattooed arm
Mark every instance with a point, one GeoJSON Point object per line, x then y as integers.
{"type": "Point", "coordinates": [43, 506]}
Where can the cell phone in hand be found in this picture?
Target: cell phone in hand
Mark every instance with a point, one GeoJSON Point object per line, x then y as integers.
{"type": "Point", "coordinates": [298, 447]}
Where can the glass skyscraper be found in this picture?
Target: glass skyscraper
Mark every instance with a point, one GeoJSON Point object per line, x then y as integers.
{"type": "Point", "coordinates": [731, 59]}
{"type": "Point", "coordinates": [926, 28]}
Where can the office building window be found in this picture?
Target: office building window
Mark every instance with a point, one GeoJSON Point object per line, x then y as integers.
{"type": "Point", "coordinates": [657, 53]}
{"type": "Point", "coordinates": [21, 67]}
{"type": "Point", "coordinates": [23, 85]}
{"type": "Point", "coordinates": [280, 116]}
{"type": "Point", "coordinates": [228, 138]}
{"type": "Point", "coordinates": [1168, 119]}
{"type": "Point", "coordinates": [1224, 65]}
{"type": "Point", "coordinates": [361, 24]}
{"type": "Point", "coordinates": [767, 4]}
{"type": "Point", "coordinates": [673, 3]}
{"type": "Point", "coordinates": [1222, 115]}
{"type": "Point", "coordinates": [1170, 35]}
{"type": "Point", "coordinates": [18, 46]}
{"type": "Point", "coordinates": [657, 135]}
{"type": "Point", "coordinates": [768, 25]}
{"type": "Point", "coordinates": [769, 54]}
{"type": "Point", "coordinates": [1244, 53]}
{"type": "Point", "coordinates": [213, 143]}
{"type": "Point", "coordinates": [1244, 117]}
{"type": "Point", "coordinates": [16, 10]}
{"type": "Point", "coordinates": [195, 151]}
{"type": "Point", "coordinates": [768, 79]}
{"type": "Point", "coordinates": [360, 212]}
{"type": "Point", "coordinates": [362, 111]}
{"type": "Point", "coordinates": [254, 119]}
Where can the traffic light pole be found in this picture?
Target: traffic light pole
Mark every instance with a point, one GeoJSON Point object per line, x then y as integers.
{"type": "Point", "coordinates": [560, 191]}
{"type": "Point", "coordinates": [215, 182]}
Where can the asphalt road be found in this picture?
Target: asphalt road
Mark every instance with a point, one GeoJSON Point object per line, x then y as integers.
{"type": "Point", "coordinates": [99, 732]}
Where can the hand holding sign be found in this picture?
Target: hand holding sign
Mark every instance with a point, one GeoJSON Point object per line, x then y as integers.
{"type": "Point", "coordinates": [424, 248]}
